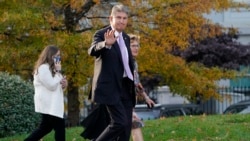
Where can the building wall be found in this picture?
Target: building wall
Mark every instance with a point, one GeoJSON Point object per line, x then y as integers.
{"type": "Point", "coordinates": [165, 96]}
{"type": "Point", "coordinates": [239, 19]}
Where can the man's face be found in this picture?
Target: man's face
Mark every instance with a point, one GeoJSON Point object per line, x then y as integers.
{"type": "Point", "coordinates": [119, 21]}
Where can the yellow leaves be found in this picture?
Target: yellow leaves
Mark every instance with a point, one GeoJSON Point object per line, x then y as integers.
{"type": "Point", "coordinates": [176, 21]}
{"type": "Point", "coordinates": [179, 76]}
{"type": "Point", "coordinates": [5, 16]}
{"type": "Point", "coordinates": [76, 63]}
{"type": "Point", "coordinates": [76, 4]}
{"type": "Point", "coordinates": [218, 4]}
{"type": "Point", "coordinates": [163, 25]}
{"type": "Point", "coordinates": [52, 20]}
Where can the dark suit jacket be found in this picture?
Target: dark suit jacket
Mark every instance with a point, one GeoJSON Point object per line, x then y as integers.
{"type": "Point", "coordinates": [108, 69]}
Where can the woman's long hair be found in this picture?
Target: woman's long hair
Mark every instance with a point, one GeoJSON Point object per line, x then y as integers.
{"type": "Point", "coordinates": [46, 57]}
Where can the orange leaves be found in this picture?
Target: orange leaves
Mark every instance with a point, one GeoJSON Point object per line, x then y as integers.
{"type": "Point", "coordinates": [166, 25]}
{"type": "Point", "coordinates": [176, 21]}
{"type": "Point", "coordinates": [76, 4]}
{"type": "Point", "coordinates": [162, 24]}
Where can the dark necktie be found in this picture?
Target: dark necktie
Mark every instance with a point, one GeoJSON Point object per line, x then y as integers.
{"type": "Point", "coordinates": [124, 53]}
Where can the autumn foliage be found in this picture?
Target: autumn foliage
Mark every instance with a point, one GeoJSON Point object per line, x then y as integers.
{"type": "Point", "coordinates": [26, 26]}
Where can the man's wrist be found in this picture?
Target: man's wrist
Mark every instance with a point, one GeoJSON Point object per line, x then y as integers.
{"type": "Point", "coordinates": [107, 45]}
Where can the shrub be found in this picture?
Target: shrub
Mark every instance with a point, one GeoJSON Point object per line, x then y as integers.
{"type": "Point", "coordinates": [16, 106]}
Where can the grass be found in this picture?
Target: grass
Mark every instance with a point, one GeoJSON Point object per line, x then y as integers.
{"type": "Point", "coordinates": [190, 128]}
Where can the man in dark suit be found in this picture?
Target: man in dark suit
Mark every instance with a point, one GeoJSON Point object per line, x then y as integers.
{"type": "Point", "coordinates": [113, 84]}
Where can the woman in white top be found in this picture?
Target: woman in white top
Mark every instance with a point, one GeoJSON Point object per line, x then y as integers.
{"type": "Point", "coordinates": [49, 84]}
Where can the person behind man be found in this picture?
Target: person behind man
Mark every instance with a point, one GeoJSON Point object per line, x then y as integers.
{"type": "Point", "coordinates": [137, 123]}
{"type": "Point", "coordinates": [49, 84]}
{"type": "Point", "coordinates": [113, 84]}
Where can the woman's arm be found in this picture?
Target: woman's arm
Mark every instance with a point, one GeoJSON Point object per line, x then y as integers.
{"type": "Point", "coordinates": [142, 92]}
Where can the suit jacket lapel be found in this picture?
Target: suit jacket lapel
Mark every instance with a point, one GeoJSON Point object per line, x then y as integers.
{"type": "Point", "coordinates": [117, 49]}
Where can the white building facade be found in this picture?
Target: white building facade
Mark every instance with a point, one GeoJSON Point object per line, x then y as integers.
{"type": "Point", "coordinates": [235, 18]}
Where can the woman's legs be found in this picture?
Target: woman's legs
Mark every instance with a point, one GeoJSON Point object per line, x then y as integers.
{"type": "Point", "coordinates": [47, 124]}
{"type": "Point", "coordinates": [59, 127]}
{"type": "Point", "coordinates": [44, 128]}
{"type": "Point", "coordinates": [137, 134]}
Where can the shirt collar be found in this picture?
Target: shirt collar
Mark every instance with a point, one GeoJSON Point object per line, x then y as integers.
{"type": "Point", "coordinates": [116, 32]}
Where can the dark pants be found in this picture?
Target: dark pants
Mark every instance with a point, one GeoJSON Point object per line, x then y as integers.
{"type": "Point", "coordinates": [121, 122]}
{"type": "Point", "coordinates": [121, 117]}
{"type": "Point", "coordinates": [47, 124]}
{"type": "Point", "coordinates": [99, 116]}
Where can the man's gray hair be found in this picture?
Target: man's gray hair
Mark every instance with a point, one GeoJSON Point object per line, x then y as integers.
{"type": "Point", "coordinates": [119, 8]}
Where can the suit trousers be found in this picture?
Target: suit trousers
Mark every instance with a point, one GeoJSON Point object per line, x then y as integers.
{"type": "Point", "coordinates": [48, 123]}
{"type": "Point", "coordinates": [120, 114]}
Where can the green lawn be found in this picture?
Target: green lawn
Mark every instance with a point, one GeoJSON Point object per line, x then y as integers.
{"type": "Point", "coordinates": [191, 128]}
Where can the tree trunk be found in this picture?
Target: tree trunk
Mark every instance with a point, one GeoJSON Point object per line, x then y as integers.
{"type": "Point", "coordinates": [73, 105]}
